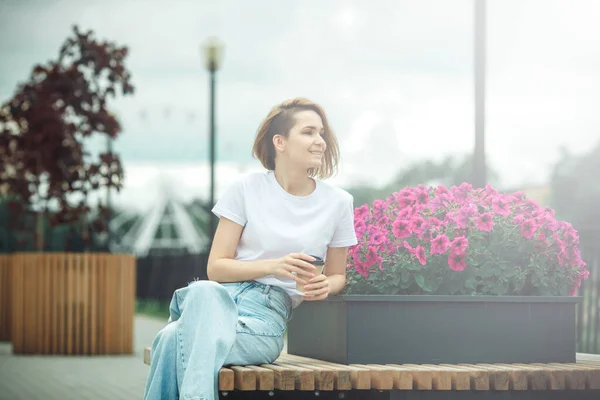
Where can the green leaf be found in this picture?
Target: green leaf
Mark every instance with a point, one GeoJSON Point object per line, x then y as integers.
{"type": "Point", "coordinates": [426, 284]}
{"type": "Point", "coordinates": [500, 288]}
{"type": "Point", "coordinates": [412, 266]}
{"type": "Point", "coordinates": [405, 275]}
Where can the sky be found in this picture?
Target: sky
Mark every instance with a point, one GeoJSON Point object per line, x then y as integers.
{"type": "Point", "coordinates": [396, 78]}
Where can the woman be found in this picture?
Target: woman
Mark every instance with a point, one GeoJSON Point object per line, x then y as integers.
{"type": "Point", "coordinates": [271, 224]}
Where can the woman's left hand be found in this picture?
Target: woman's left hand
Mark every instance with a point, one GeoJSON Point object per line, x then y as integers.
{"type": "Point", "coordinates": [317, 288]}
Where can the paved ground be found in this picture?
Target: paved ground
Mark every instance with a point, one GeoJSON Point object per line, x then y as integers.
{"type": "Point", "coordinates": [82, 378]}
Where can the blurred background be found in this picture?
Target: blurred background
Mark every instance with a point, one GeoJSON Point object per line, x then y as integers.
{"type": "Point", "coordinates": [418, 92]}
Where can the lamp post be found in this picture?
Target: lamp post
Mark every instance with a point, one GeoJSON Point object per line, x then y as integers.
{"type": "Point", "coordinates": [479, 165]}
{"type": "Point", "coordinates": [213, 51]}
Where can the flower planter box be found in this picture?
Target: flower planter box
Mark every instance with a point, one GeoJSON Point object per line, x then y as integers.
{"type": "Point", "coordinates": [72, 303]}
{"type": "Point", "coordinates": [377, 329]}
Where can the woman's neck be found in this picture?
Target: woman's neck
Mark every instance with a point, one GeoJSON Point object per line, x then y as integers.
{"type": "Point", "coordinates": [296, 183]}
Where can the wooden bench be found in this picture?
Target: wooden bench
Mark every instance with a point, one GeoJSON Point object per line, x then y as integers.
{"type": "Point", "coordinates": [580, 380]}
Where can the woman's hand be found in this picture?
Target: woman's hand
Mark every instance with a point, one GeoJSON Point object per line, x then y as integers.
{"type": "Point", "coordinates": [294, 266]}
{"type": "Point", "coordinates": [317, 289]}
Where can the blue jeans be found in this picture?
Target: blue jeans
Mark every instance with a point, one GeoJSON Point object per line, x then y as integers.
{"type": "Point", "coordinates": [212, 325]}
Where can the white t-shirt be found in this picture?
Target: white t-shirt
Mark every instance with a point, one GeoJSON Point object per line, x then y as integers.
{"type": "Point", "coordinates": [277, 223]}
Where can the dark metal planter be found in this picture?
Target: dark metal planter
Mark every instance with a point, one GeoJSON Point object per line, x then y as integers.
{"type": "Point", "coordinates": [369, 329]}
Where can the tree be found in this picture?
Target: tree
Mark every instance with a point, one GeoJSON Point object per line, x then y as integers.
{"type": "Point", "coordinates": [575, 189]}
{"type": "Point", "coordinates": [450, 171]}
{"type": "Point", "coordinates": [43, 162]}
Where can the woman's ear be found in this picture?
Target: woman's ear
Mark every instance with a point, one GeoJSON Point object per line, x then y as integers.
{"type": "Point", "coordinates": [279, 143]}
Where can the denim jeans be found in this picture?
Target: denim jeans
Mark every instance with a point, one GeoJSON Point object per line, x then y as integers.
{"type": "Point", "coordinates": [212, 325]}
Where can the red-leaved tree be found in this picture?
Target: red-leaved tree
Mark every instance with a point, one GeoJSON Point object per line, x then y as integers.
{"type": "Point", "coordinates": [44, 166]}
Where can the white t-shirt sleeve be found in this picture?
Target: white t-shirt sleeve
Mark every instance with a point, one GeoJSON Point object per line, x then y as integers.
{"type": "Point", "coordinates": [345, 235]}
{"type": "Point", "coordinates": [232, 205]}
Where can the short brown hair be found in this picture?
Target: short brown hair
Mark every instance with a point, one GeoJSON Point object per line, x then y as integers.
{"type": "Point", "coordinates": [279, 122]}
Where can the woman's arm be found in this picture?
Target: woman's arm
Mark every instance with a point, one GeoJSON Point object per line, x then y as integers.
{"type": "Point", "coordinates": [223, 268]}
{"type": "Point", "coordinates": [334, 279]}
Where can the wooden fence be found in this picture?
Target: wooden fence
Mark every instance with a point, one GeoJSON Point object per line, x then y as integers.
{"type": "Point", "coordinates": [72, 303]}
{"type": "Point", "coordinates": [5, 292]}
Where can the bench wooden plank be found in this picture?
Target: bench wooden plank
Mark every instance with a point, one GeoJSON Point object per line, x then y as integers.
{"type": "Point", "coordinates": [480, 377]}
{"type": "Point", "coordinates": [285, 378]}
{"type": "Point", "coordinates": [518, 377]}
{"type": "Point", "coordinates": [304, 377]}
{"type": "Point", "coordinates": [291, 372]}
{"type": "Point", "coordinates": [499, 378]}
{"type": "Point", "coordinates": [244, 378]}
{"type": "Point", "coordinates": [360, 377]}
{"type": "Point", "coordinates": [422, 380]}
{"type": "Point", "coordinates": [226, 379]}
{"type": "Point", "coordinates": [440, 379]}
{"type": "Point", "coordinates": [325, 377]}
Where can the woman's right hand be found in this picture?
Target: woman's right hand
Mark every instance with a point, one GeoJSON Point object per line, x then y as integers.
{"type": "Point", "coordinates": [294, 266]}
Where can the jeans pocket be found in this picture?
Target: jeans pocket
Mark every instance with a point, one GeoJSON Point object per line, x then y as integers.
{"type": "Point", "coordinates": [281, 303]}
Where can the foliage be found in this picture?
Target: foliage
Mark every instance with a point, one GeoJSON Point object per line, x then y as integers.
{"type": "Point", "coordinates": [424, 240]}
{"type": "Point", "coordinates": [575, 188]}
{"type": "Point", "coordinates": [43, 162]}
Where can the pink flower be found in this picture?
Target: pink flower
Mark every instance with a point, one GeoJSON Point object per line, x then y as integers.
{"type": "Point", "coordinates": [383, 221]}
{"type": "Point", "coordinates": [459, 244]}
{"type": "Point", "coordinates": [379, 205]}
{"type": "Point", "coordinates": [500, 206]}
{"type": "Point", "coordinates": [485, 222]}
{"type": "Point", "coordinates": [462, 192]}
{"type": "Point", "coordinates": [416, 224]}
{"type": "Point", "coordinates": [422, 197]}
{"type": "Point", "coordinates": [518, 220]}
{"type": "Point", "coordinates": [457, 261]}
{"type": "Point", "coordinates": [361, 212]}
{"type": "Point", "coordinates": [410, 249]}
{"type": "Point", "coordinates": [420, 254]}
{"type": "Point", "coordinates": [401, 228]}
{"type": "Point", "coordinates": [439, 245]}
{"type": "Point", "coordinates": [378, 238]}
{"type": "Point", "coordinates": [360, 227]}
{"type": "Point", "coordinates": [528, 228]}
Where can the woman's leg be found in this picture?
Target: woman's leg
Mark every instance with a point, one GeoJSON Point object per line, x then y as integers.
{"type": "Point", "coordinates": [191, 349]}
{"type": "Point", "coordinates": [263, 312]}
{"type": "Point", "coordinates": [162, 380]}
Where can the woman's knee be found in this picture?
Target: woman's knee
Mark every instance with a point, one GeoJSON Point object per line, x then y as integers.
{"type": "Point", "coordinates": [205, 288]}
{"type": "Point", "coordinates": [166, 338]}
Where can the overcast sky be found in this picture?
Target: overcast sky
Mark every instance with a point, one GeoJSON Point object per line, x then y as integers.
{"type": "Point", "coordinates": [395, 72]}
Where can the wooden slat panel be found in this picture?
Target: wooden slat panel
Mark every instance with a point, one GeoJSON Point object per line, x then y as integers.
{"type": "Point", "coordinates": [422, 380]}
{"type": "Point", "coordinates": [5, 298]}
{"type": "Point", "coordinates": [440, 379]}
{"type": "Point", "coordinates": [499, 378]}
{"type": "Point", "coordinates": [592, 374]}
{"type": "Point", "coordinates": [342, 379]}
{"type": "Point", "coordinates": [480, 378]}
{"type": "Point", "coordinates": [244, 378]}
{"type": "Point", "coordinates": [382, 378]}
{"type": "Point", "coordinates": [459, 378]}
{"type": "Point", "coordinates": [304, 377]}
{"type": "Point", "coordinates": [403, 379]}
{"type": "Point", "coordinates": [360, 377]}
{"type": "Point", "coordinates": [325, 377]}
{"type": "Point", "coordinates": [265, 378]}
{"type": "Point", "coordinates": [555, 379]}
{"type": "Point", "coordinates": [285, 378]}
{"type": "Point", "coordinates": [518, 377]}
{"type": "Point", "coordinates": [226, 379]}
{"type": "Point", "coordinates": [574, 378]}
{"type": "Point", "coordinates": [66, 306]}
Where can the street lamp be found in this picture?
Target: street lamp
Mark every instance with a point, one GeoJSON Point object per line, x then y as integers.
{"type": "Point", "coordinates": [213, 52]}
{"type": "Point", "coordinates": [479, 165]}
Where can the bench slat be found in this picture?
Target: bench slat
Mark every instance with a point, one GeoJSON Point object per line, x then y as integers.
{"type": "Point", "coordinates": [290, 372]}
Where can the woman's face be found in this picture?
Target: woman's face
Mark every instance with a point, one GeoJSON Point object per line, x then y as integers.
{"type": "Point", "coordinates": [305, 145]}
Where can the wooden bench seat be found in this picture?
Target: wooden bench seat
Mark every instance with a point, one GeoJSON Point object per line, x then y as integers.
{"type": "Point", "coordinates": [290, 372]}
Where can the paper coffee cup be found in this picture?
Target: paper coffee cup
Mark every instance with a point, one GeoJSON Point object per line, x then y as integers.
{"type": "Point", "coordinates": [319, 265]}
